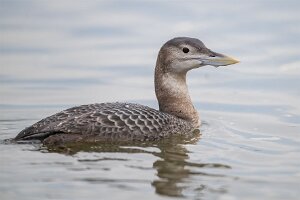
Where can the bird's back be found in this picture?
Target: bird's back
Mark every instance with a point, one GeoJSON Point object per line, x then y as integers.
{"type": "Point", "coordinates": [108, 121]}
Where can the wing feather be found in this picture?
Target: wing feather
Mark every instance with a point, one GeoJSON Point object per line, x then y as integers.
{"type": "Point", "coordinates": [107, 120]}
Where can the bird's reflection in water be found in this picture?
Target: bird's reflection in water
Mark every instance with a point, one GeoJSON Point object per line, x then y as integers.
{"type": "Point", "coordinates": [173, 166]}
{"type": "Point", "coordinates": [174, 171]}
{"type": "Point", "coordinates": [171, 170]}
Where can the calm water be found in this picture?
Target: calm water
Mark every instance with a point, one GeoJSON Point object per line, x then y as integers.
{"type": "Point", "coordinates": [54, 55]}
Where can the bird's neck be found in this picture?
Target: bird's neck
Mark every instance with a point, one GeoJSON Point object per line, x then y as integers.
{"type": "Point", "coordinates": [173, 96]}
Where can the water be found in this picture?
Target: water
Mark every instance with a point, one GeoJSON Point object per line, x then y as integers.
{"type": "Point", "coordinates": [56, 55]}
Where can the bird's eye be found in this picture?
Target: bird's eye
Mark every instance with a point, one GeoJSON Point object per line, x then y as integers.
{"type": "Point", "coordinates": [185, 50]}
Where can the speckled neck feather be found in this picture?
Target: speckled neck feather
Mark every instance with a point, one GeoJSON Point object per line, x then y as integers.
{"type": "Point", "coordinates": [172, 92]}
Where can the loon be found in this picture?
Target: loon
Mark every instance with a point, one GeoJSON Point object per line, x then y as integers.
{"type": "Point", "coordinates": [134, 122]}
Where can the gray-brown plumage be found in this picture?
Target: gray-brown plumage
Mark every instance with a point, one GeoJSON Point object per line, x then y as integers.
{"type": "Point", "coordinates": [127, 121]}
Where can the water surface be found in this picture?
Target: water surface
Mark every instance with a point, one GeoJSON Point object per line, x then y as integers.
{"type": "Point", "coordinates": [57, 55]}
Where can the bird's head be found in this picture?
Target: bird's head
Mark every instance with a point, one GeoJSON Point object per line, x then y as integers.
{"type": "Point", "coordinates": [182, 54]}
